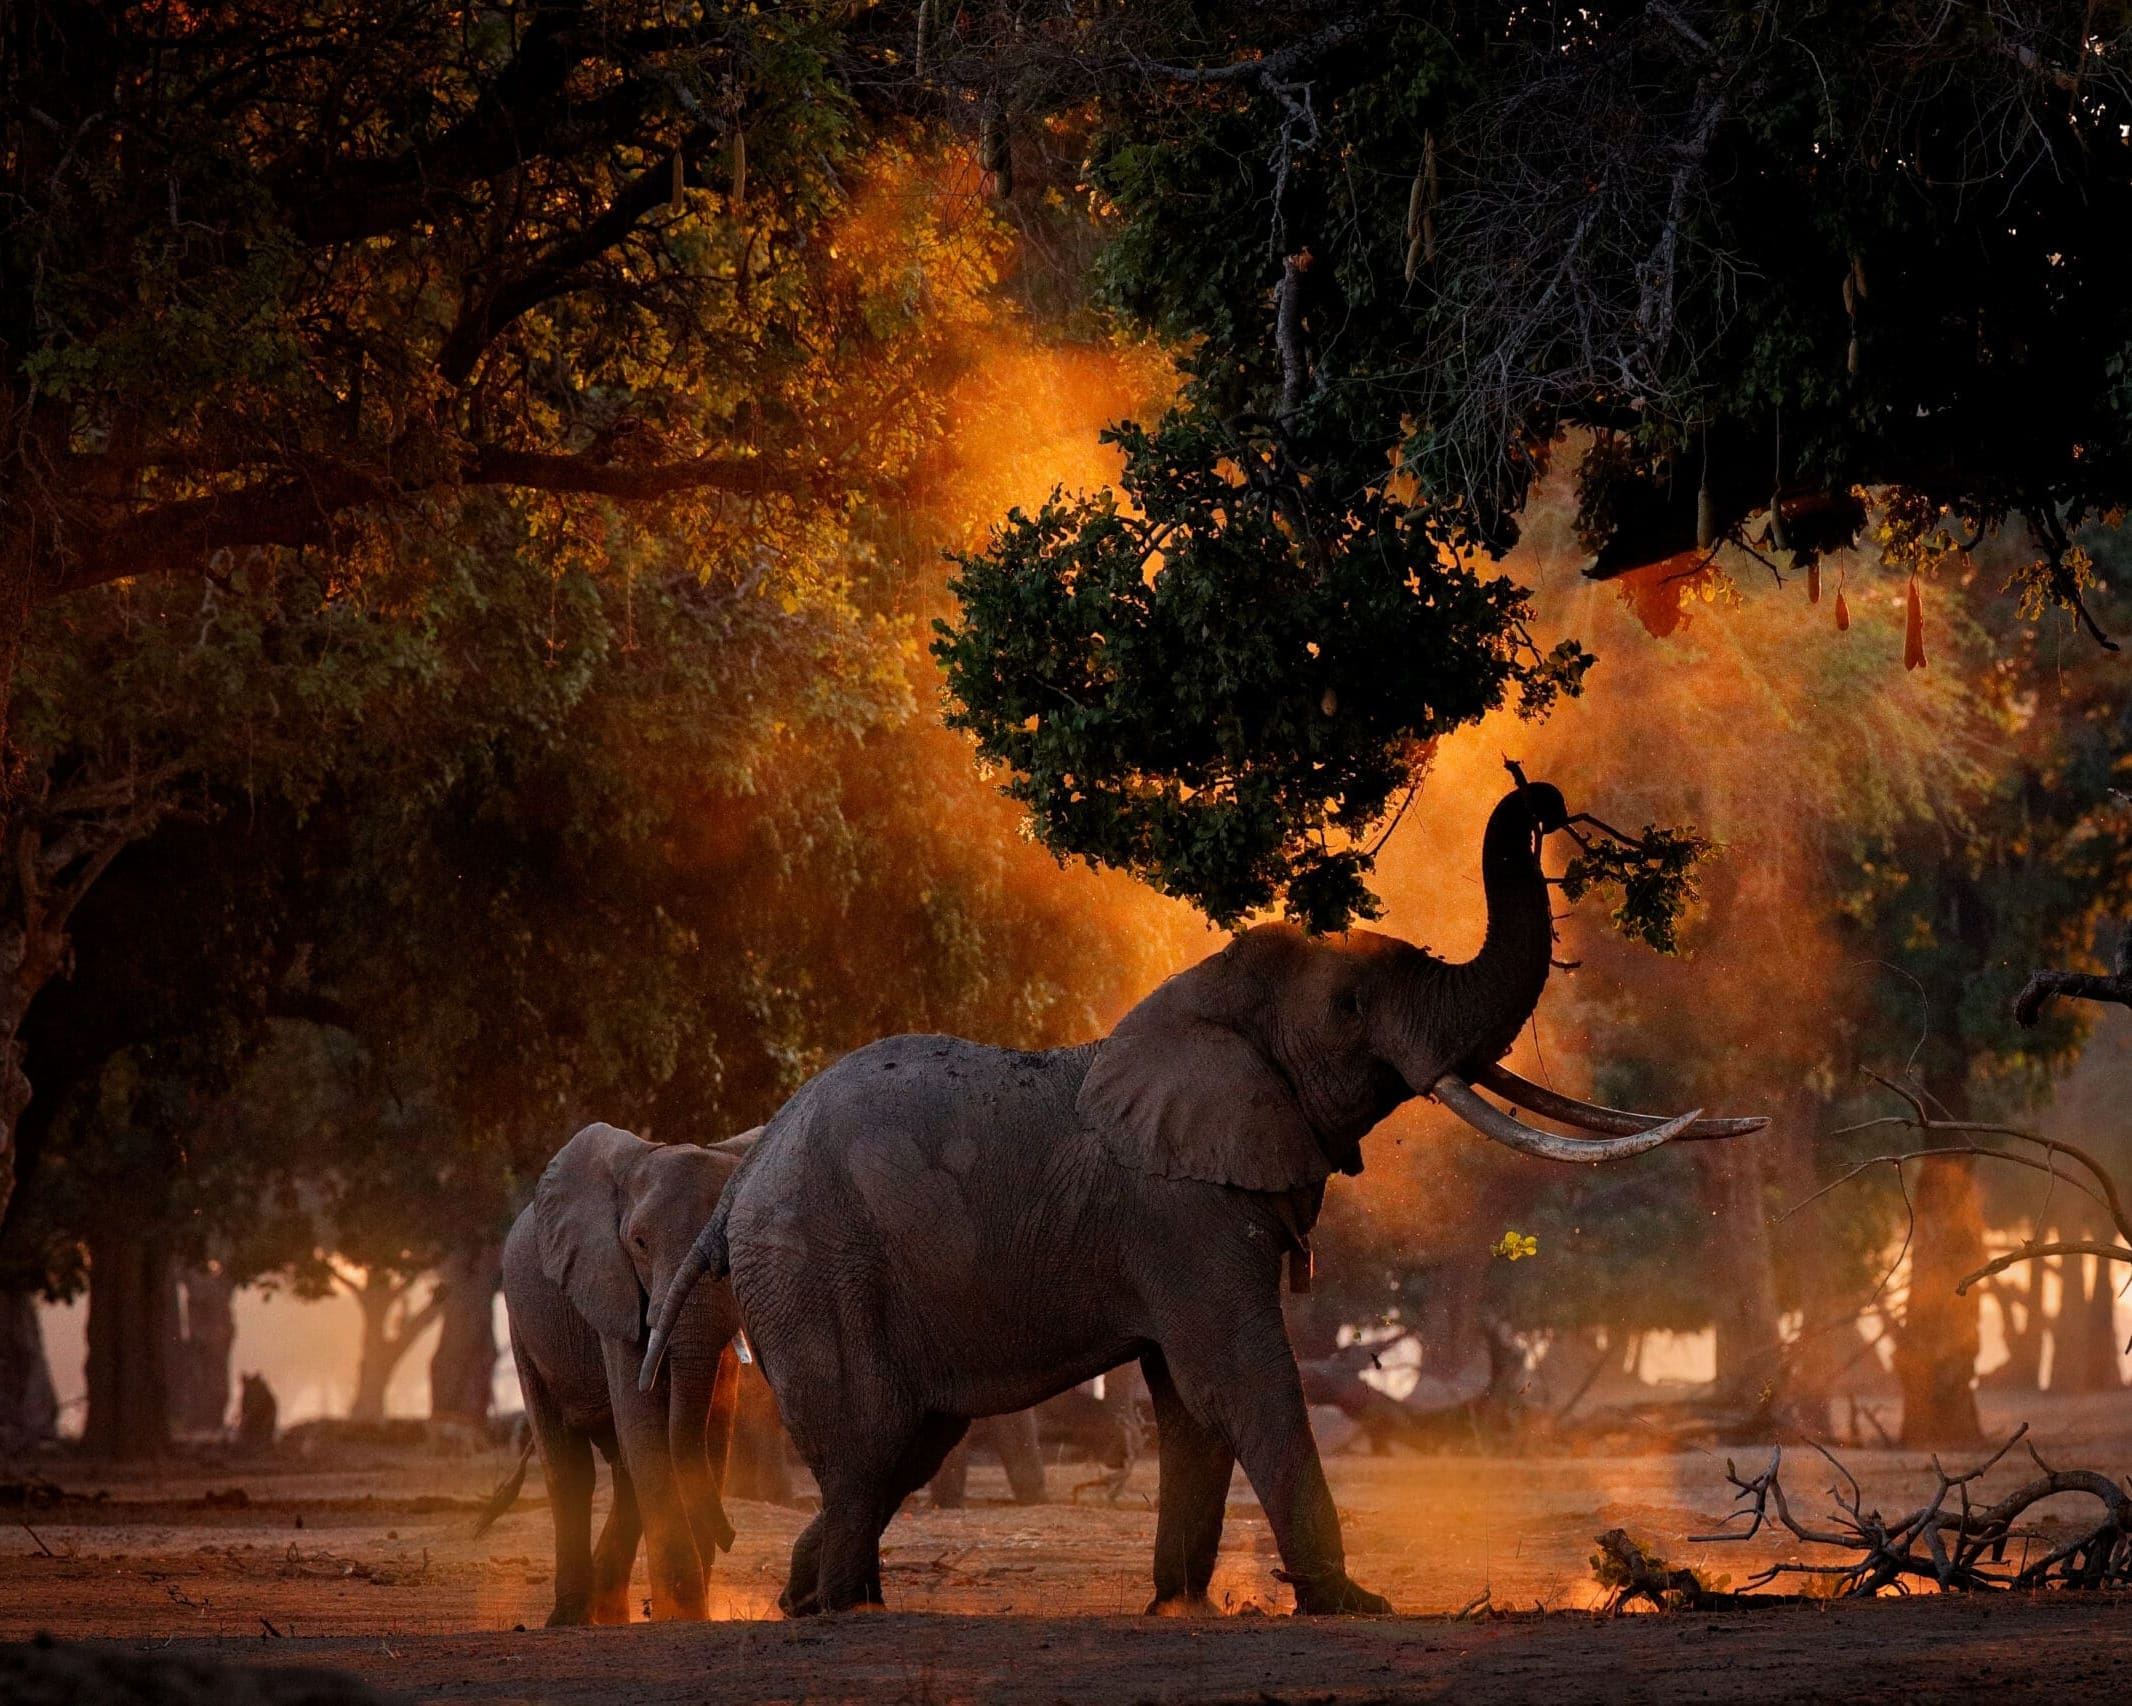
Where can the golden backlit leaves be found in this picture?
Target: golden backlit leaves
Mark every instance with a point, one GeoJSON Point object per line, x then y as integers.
{"type": "Point", "coordinates": [1515, 1246]}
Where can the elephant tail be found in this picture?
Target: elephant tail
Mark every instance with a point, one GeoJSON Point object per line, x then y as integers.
{"type": "Point", "coordinates": [506, 1493]}
{"type": "Point", "coordinates": [707, 1256]}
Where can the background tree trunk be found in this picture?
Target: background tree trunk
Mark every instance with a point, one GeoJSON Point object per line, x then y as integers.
{"type": "Point", "coordinates": [2020, 1296]}
{"type": "Point", "coordinates": [1936, 1351]}
{"type": "Point", "coordinates": [390, 1330]}
{"type": "Point", "coordinates": [29, 1408]}
{"type": "Point", "coordinates": [463, 1370]}
{"type": "Point", "coordinates": [1802, 1253]}
{"type": "Point", "coordinates": [200, 1356]}
{"type": "Point", "coordinates": [1744, 1279]}
{"type": "Point", "coordinates": [130, 1302]}
{"type": "Point", "coordinates": [2087, 1329]}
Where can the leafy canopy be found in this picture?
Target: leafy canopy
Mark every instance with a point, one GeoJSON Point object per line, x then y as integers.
{"type": "Point", "coordinates": [1763, 255]}
{"type": "Point", "coordinates": [1217, 686]}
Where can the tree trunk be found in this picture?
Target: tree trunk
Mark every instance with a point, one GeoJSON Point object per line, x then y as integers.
{"type": "Point", "coordinates": [462, 1373]}
{"type": "Point", "coordinates": [2087, 1329]}
{"type": "Point", "coordinates": [130, 1304]}
{"type": "Point", "coordinates": [1803, 1250]}
{"type": "Point", "coordinates": [1744, 1290]}
{"type": "Point", "coordinates": [390, 1330]}
{"type": "Point", "coordinates": [2020, 1289]}
{"type": "Point", "coordinates": [1936, 1351]}
{"type": "Point", "coordinates": [29, 1408]}
{"type": "Point", "coordinates": [14, 1084]}
{"type": "Point", "coordinates": [200, 1357]}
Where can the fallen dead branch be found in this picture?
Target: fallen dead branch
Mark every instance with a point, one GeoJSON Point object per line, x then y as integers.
{"type": "Point", "coordinates": [1960, 1548]}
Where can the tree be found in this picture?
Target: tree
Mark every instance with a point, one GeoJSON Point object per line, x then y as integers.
{"type": "Point", "coordinates": [404, 252]}
{"type": "Point", "coordinates": [302, 282]}
{"type": "Point", "coordinates": [1406, 251]}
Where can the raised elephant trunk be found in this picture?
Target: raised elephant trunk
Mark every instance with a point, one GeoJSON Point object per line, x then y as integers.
{"type": "Point", "coordinates": [1501, 986]}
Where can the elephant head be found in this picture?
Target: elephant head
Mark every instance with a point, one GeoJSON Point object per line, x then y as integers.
{"type": "Point", "coordinates": [1264, 1066]}
{"type": "Point", "coordinates": [616, 1215]}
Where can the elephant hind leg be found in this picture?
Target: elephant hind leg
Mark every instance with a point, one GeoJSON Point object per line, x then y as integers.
{"type": "Point", "coordinates": [952, 1484]}
{"type": "Point", "coordinates": [616, 1555]}
{"type": "Point", "coordinates": [1193, 1498]}
{"type": "Point", "coordinates": [566, 1467]}
{"type": "Point", "coordinates": [859, 1498]}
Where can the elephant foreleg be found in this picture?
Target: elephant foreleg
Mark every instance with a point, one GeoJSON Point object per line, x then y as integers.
{"type": "Point", "coordinates": [1247, 1387]}
{"type": "Point", "coordinates": [803, 1581]}
{"type": "Point", "coordinates": [1193, 1498]}
{"type": "Point", "coordinates": [616, 1554]}
{"type": "Point", "coordinates": [647, 1457]}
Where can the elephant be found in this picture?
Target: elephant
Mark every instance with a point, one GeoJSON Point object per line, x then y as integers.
{"type": "Point", "coordinates": [931, 1230]}
{"type": "Point", "coordinates": [608, 1226]}
{"type": "Point", "coordinates": [1013, 1440]}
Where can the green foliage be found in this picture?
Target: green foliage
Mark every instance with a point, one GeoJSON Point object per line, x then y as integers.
{"type": "Point", "coordinates": [1219, 687]}
{"type": "Point", "coordinates": [1655, 874]}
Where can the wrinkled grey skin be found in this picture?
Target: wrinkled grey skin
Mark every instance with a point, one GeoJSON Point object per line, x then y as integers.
{"type": "Point", "coordinates": [608, 1226]}
{"type": "Point", "coordinates": [932, 1230]}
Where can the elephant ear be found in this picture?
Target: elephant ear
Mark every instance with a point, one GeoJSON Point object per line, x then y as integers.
{"type": "Point", "coordinates": [577, 1212]}
{"type": "Point", "coordinates": [1177, 1091]}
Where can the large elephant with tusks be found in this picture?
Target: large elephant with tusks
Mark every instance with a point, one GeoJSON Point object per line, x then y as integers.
{"type": "Point", "coordinates": [931, 1230]}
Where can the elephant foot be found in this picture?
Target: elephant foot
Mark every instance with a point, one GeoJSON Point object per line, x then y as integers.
{"type": "Point", "coordinates": [1182, 1605]}
{"type": "Point", "coordinates": [799, 1604]}
{"type": "Point", "coordinates": [1337, 1596]}
{"type": "Point", "coordinates": [609, 1611]}
{"type": "Point", "coordinates": [573, 1615]}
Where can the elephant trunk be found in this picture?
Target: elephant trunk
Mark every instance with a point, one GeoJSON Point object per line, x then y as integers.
{"type": "Point", "coordinates": [1457, 1017]}
{"type": "Point", "coordinates": [707, 1255]}
{"type": "Point", "coordinates": [1495, 993]}
{"type": "Point", "coordinates": [1501, 985]}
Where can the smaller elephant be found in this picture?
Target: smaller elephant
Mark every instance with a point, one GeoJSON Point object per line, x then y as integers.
{"type": "Point", "coordinates": [608, 1226]}
{"type": "Point", "coordinates": [1013, 1439]}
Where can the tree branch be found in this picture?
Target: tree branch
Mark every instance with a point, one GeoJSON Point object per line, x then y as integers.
{"type": "Point", "coordinates": [525, 115]}
{"type": "Point", "coordinates": [2034, 1252]}
{"type": "Point", "coordinates": [555, 273]}
{"type": "Point", "coordinates": [182, 535]}
{"type": "Point", "coordinates": [493, 465]}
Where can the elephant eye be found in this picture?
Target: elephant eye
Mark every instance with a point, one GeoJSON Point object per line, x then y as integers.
{"type": "Point", "coordinates": [1350, 1001]}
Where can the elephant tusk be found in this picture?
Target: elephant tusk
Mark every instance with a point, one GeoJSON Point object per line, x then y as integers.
{"type": "Point", "coordinates": [693, 1267]}
{"type": "Point", "coordinates": [1616, 1122]}
{"type": "Point", "coordinates": [1491, 1122]}
{"type": "Point", "coordinates": [654, 1354]}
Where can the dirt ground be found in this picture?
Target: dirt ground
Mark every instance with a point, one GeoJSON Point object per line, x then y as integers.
{"type": "Point", "coordinates": [360, 1558]}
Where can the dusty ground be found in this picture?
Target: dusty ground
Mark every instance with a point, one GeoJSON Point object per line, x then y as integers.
{"type": "Point", "coordinates": [363, 1561]}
